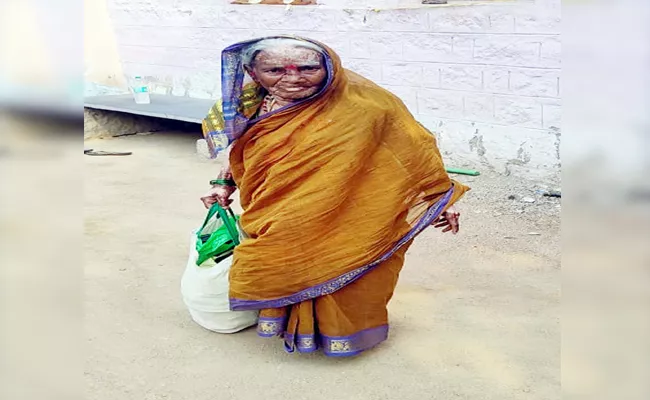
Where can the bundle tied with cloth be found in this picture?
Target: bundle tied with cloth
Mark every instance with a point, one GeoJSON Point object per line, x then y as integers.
{"type": "Point", "coordinates": [334, 187]}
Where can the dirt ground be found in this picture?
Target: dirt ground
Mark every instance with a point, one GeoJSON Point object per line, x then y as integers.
{"type": "Point", "coordinates": [475, 316]}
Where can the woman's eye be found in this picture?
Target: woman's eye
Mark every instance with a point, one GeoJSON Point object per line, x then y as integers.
{"type": "Point", "coordinates": [308, 68]}
{"type": "Point", "coordinates": [274, 70]}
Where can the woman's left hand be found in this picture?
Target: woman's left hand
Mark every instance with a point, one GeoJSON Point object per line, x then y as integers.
{"type": "Point", "coordinates": [448, 221]}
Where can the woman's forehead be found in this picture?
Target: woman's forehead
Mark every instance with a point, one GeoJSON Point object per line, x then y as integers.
{"type": "Point", "coordinates": [288, 54]}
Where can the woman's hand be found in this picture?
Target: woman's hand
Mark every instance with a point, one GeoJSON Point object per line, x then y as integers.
{"type": "Point", "coordinates": [219, 194]}
{"type": "Point", "coordinates": [448, 221]}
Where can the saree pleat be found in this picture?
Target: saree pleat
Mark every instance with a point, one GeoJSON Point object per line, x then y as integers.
{"type": "Point", "coordinates": [343, 323]}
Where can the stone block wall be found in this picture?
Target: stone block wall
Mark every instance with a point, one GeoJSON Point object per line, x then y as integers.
{"type": "Point", "coordinates": [484, 76]}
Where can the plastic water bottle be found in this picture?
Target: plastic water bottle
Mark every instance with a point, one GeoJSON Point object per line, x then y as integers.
{"type": "Point", "coordinates": [140, 91]}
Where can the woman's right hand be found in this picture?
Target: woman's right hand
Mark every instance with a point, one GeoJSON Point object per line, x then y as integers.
{"type": "Point", "coordinates": [448, 221]}
{"type": "Point", "coordinates": [219, 194]}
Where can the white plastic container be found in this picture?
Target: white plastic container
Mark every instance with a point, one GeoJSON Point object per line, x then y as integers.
{"type": "Point", "coordinates": [140, 91]}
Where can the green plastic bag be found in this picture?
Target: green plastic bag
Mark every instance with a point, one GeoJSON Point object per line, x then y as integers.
{"type": "Point", "coordinates": [218, 236]}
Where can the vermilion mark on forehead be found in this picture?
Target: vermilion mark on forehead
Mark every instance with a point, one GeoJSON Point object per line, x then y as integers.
{"type": "Point", "coordinates": [291, 66]}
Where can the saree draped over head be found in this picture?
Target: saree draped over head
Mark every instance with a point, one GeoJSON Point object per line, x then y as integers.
{"type": "Point", "coordinates": [334, 189]}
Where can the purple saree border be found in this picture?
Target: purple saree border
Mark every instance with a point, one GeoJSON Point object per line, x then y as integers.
{"type": "Point", "coordinates": [346, 346]}
{"type": "Point", "coordinates": [302, 343]}
{"type": "Point", "coordinates": [336, 346]}
{"type": "Point", "coordinates": [269, 327]}
{"type": "Point", "coordinates": [339, 282]}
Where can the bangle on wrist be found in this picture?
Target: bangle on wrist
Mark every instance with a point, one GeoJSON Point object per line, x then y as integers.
{"type": "Point", "coordinates": [223, 182]}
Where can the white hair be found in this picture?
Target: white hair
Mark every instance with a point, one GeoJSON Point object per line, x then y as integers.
{"type": "Point", "coordinates": [250, 52]}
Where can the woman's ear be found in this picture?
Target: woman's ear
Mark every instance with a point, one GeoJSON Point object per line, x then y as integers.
{"type": "Point", "coordinates": [250, 72]}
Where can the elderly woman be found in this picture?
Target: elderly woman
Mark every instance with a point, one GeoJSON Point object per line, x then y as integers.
{"type": "Point", "coordinates": [335, 178]}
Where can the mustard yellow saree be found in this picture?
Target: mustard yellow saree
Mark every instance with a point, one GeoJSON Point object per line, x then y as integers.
{"type": "Point", "coordinates": [334, 189]}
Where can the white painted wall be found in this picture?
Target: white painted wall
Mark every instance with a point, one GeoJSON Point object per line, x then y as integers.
{"type": "Point", "coordinates": [484, 77]}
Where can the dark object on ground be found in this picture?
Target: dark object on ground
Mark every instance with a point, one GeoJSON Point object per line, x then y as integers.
{"type": "Point", "coordinates": [552, 193]}
{"type": "Point", "coordinates": [512, 197]}
{"type": "Point", "coordinates": [124, 134]}
{"type": "Point", "coordinates": [106, 153]}
{"type": "Point", "coordinates": [434, 1]}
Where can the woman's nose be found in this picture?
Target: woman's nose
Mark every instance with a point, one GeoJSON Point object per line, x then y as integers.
{"type": "Point", "coordinates": [292, 76]}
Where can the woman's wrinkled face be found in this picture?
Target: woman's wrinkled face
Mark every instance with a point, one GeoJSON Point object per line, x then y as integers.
{"type": "Point", "coordinates": [289, 73]}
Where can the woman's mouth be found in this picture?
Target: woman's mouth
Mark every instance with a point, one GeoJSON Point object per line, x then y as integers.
{"type": "Point", "coordinates": [294, 89]}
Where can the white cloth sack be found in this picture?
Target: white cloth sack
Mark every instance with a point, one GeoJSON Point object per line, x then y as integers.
{"type": "Point", "coordinates": [205, 293]}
